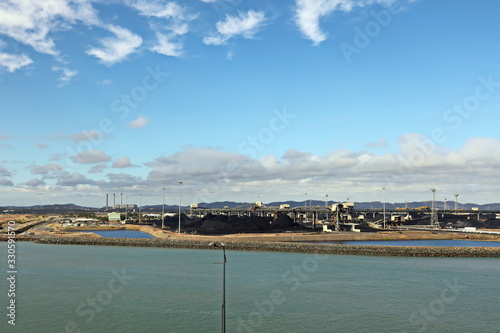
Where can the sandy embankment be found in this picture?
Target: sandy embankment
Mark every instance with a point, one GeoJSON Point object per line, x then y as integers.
{"type": "Point", "coordinates": [187, 243]}
{"type": "Point", "coordinates": [282, 237]}
{"type": "Point", "coordinates": [313, 237]}
{"type": "Point", "coordinates": [280, 242]}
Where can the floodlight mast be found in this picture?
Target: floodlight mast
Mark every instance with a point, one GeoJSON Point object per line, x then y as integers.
{"type": "Point", "coordinates": [180, 203]}
{"type": "Point", "coordinates": [163, 211]}
{"type": "Point", "coordinates": [383, 195]}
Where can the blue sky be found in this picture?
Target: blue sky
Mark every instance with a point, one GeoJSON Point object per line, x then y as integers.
{"type": "Point", "coordinates": [248, 100]}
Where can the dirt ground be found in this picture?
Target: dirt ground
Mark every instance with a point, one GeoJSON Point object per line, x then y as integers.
{"type": "Point", "coordinates": [300, 237]}
{"type": "Point", "coordinates": [21, 218]}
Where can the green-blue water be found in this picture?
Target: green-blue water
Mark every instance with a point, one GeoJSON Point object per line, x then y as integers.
{"type": "Point", "coordinates": [65, 288]}
{"type": "Point", "coordinates": [419, 242]}
{"type": "Point", "coordinates": [120, 233]}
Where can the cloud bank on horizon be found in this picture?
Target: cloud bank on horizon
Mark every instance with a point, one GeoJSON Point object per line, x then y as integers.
{"type": "Point", "coordinates": [247, 100]}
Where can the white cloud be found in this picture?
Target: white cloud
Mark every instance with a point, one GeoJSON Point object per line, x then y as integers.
{"type": "Point", "coordinates": [418, 166]}
{"type": "Point", "coordinates": [122, 162]}
{"type": "Point", "coordinates": [31, 21]}
{"type": "Point", "coordinates": [139, 122]}
{"type": "Point", "coordinates": [73, 179]}
{"type": "Point", "coordinates": [173, 24]}
{"type": "Point", "coordinates": [4, 172]}
{"type": "Point", "coordinates": [91, 157]}
{"type": "Point", "coordinates": [55, 157]}
{"type": "Point", "coordinates": [160, 9]}
{"type": "Point", "coordinates": [245, 24]}
{"type": "Point", "coordinates": [380, 144]}
{"type": "Point", "coordinates": [6, 182]}
{"type": "Point", "coordinates": [46, 169]}
{"type": "Point", "coordinates": [167, 45]}
{"type": "Point", "coordinates": [66, 74]}
{"type": "Point", "coordinates": [105, 82]}
{"type": "Point", "coordinates": [308, 13]}
{"type": "Point", "coordinates": [116, 49]}
{"type": "Point", "coordinates": [35, 182]}
{"type": "Point", "coordinates": [92, 135]}
{"type": "Point", "coordinates": [122, 180]}
{"type": "Point", "coordinates": [210, 174]}
{"type": "Point", "coordinates": [98, 168]}
{"type": "Point", "coordinates": [14, 62]}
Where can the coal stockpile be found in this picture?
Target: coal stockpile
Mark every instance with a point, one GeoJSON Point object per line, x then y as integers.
{"type": "Point", "coordinates": [457, 222]}
{"type": "Point", "coordinates": [283, 221]}
{"type": "Point", "coordinates": [172, 222]}
{"type": "Point", "coordinates": [365, 227]}
{"type": "Point", "coordinates": [492, 224]}
{"type": "Point", "coordinates": [223, 224]}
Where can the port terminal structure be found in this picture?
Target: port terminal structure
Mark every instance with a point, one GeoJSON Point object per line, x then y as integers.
{"type": "Point", "coordinates": [335, 217]}
{"type": "Point", "coordinates": [339, 216]}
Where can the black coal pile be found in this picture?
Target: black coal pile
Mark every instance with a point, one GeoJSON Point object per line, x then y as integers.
{"type": "Point", "coordinates": [283, 221]}
{"type": "Point", "coordinates": [419, 221]}
{"type": "Point", "coordinates": [218, 224]}
{"type": "Point", "coordinates": [172, 222]}
{"type": "Point", "coordinates": [492, 224]}
{"type": "Point", "coordinates": [365, 227]}
{"type": "Point", "coordinates": [250, 223]}
{"type": "Point", "coordinates": [215, 225]}
{"type": "Point", "coordinates": [457, 222]}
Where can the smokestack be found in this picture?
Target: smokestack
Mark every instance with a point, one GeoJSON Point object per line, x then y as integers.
{"type": "Point", "coordinates": [106, 202]}
{"type": "Point", "coordinates": [114, 200]}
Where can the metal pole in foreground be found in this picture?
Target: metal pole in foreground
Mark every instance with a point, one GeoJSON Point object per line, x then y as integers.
{"type": "Point", "coordinates": [223, 310]}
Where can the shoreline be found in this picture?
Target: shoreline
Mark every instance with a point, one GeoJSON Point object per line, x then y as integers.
{"type": "Point", "coordinates": [275, 246]}
{"type": "Point", "coordinates": [282, 236]}
{"type": "Point", "coordinates": [275, 242]}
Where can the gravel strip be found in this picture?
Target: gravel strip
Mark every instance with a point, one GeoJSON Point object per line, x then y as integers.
{"type": "Point", "coordinates": [409, 251]}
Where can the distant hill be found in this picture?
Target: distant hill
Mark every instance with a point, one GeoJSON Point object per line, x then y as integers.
{"type": "Point", "coordinates": [72, 208]}
{"type": "Point", "coordinates": [46, 209]}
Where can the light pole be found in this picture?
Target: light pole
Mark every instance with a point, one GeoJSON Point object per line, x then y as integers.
{"type": "Point", "coordinates": [223, 312]}
{"type": "Point", "coordinates": [326, 206]}
{"type": "Point", "coordinates": [305, 209]}
{"type": "Point", "coordinates": [163, 210]}
{"type": "Point", "coordinates": [383, 198]}
{"type": "Point", "coordinates": [433, 210]}
{"type": "Point", "coordinates": [180, 203]}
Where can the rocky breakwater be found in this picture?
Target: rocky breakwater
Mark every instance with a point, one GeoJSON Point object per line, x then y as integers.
{"type": "Point", "coordinates": [409, 251]}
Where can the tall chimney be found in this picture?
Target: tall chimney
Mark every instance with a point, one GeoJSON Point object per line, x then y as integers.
{"type": "Point", "coordinates": [106, 202]}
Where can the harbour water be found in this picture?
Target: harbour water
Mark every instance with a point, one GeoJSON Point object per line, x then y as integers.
{"type": "Point", "coordinates": [120, 233]}
{"type": "Point", "coordinates": [69, 288]}
{"type": "Point", "coordinates": [420, 242]}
